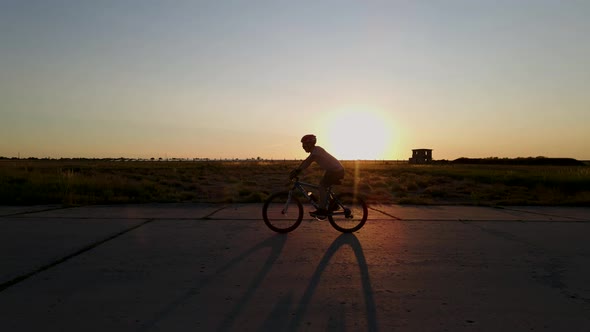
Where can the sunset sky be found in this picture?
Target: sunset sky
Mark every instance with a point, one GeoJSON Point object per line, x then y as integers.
{"type": "Point", "coordinates": [242, 79]}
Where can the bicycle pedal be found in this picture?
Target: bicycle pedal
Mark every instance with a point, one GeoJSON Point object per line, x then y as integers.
{"type": "Point", "coordinates": [318, 216]}
{"type": "Point", "coordinates": [348, 214]}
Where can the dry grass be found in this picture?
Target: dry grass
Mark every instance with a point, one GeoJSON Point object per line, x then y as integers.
{"type": "Point", "coordinates": [24, 182]}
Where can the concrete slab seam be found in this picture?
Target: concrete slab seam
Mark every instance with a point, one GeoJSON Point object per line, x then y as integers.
{"type": "Point", "coordinates": [89, 247]}
{"type": "Point", "coordinates": [385, 213]}
{"type": "Point", "coordinates": [465, 221]}
{"type": "Point", "coordinates": [31, 212]}
{"type": "Point", "coordinates": [545, 214]}
{"type": "Point", "coordinates": [212, 213]}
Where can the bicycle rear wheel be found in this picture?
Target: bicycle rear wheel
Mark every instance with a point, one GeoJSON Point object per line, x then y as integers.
{"type": "Point", "coordinates": [351, 216]}
{"type": "Point", "coordinates": [281, 214]}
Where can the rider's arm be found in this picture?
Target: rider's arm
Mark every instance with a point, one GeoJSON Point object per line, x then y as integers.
{"type": "Point", "coordinates": [305, 164]}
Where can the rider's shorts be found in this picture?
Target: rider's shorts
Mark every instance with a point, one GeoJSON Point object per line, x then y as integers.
{"type": "Point", "coordinates": [331, 178]}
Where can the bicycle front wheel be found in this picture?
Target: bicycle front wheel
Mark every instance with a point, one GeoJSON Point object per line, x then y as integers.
{"type": "Point", "coordinates": [351, 215]}
{"type": "Point", "coordinates": [282, 214]}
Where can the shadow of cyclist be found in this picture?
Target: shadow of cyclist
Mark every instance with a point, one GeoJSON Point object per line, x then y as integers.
{"type": "Point", "coordinates": [281, 318]}
{"type": "Point", "coordinates": [344, 239]}
{"type": "Point", "coordinates": [275, 243]}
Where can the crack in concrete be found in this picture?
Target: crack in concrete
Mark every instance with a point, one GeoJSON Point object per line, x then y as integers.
{"type": "Point", "coordinates": [32, 212]}
{"type": "Point", "coordinates": [385, 213]}
{"type": "Point", "coordinates": [545, 214]}
{"type": "Point", "coordinates": [207, 217]}
{"type": "Point", "coordinates": [89, 247]}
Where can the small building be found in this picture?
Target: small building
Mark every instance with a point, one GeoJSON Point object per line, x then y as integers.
{"type": "Point", "coordinates": [421, 156]}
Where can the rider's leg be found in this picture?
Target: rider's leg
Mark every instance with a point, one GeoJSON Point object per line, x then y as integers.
{"type": "Point", "coordinates": [323, 196]}
{"type": "Point", "coordinates": [323, 192]}
{"type": "Point", "coordinates": [329, 179]}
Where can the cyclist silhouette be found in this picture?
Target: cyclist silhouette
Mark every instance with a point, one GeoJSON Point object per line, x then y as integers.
{"type": "Point", "coordinates": [334, 171]}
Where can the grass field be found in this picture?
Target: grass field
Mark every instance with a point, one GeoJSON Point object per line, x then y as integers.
{"type": "Point", "coordinates": [27, 182]}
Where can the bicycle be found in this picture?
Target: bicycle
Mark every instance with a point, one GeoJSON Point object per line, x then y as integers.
{"type": "Point", "coordinates": [283, 211]}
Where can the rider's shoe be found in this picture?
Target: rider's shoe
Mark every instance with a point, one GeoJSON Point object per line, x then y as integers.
{"type": "Point", "coordinates": [319, 213]}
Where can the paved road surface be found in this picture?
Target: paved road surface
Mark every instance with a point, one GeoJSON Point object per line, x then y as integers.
{"type": "Point", "coordinates": [218, 268]}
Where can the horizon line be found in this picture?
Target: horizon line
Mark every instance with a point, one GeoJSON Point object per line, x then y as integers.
{"type": "Point", "coordinates": [159, 159]}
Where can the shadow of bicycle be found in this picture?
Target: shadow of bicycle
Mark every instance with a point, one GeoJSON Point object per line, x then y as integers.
{"type": "Point", "coordinates": [281, 317]}
{"type": "Point", "coordinates": [275, 243]}
{"type": "Point", "coordinates": [343, 240]}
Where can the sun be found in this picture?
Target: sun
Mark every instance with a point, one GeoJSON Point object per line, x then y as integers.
{"type": "Point", "coordinates": [358, 135]}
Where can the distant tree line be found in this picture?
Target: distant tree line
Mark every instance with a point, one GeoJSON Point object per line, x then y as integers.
{"type": "Point", "coordinates": [529, 161]}
{"type": "Point", "coordinates": [140, 159]}
{"type": "Point", "coordinates": [538, 161]}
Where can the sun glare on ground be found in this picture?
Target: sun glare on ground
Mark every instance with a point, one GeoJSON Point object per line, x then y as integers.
{"type": "Point", "coordinates": [358, 135]}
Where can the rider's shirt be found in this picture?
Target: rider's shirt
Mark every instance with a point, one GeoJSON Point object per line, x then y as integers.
{"type": "Point", "coordinates": [324, 159]}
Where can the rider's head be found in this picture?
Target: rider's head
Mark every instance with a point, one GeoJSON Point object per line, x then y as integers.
{"type": "Point", "coordinates": [308, 142]}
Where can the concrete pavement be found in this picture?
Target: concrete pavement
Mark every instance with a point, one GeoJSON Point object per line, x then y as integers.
{"type": "Point", "coordinates": [179, 267]}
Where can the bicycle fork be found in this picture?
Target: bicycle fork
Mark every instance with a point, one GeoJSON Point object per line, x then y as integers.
{"type": "Point", "coordinates": [286, 207]}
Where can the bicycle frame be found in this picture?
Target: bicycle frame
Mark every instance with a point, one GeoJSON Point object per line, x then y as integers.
{"type": "Point", "coordinates": [347, 212]}
{"type": "Point", "coordinates": [303, 187]}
